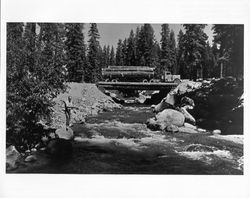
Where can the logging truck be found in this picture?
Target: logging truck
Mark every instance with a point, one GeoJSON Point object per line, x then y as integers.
{"type": "Point", "coordinates": [136, 74]}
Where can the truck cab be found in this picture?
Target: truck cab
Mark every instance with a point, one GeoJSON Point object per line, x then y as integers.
{"type": "Point", "coordinates": [168, 77]}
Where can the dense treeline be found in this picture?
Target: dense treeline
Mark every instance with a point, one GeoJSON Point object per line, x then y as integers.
{"type": "Point", "coordinates": [41, 57]}
{"type": "Point", "coordinates": [191, 55]}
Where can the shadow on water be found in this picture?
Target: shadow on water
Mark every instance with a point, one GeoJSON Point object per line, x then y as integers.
{"type": "Point", "coordinates": [101, 160]}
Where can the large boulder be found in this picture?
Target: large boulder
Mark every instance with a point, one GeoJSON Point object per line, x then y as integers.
{"type": "Point", "coordinates": [186, 87]}
{"type": "Point", "coordinates": [65, 133]}
{"type": "Point", "coordinates": [142, 98]}
{"type": "Point", "coordinates": [172, 128]}
{"type": "Point", "coordinates": [188, 117]}
{"type": "Point", "coordinates": [172, 97]}
{"type": "Point", "coordinates": [166, 118]}
{"type": "Point", "coordinates": [30, 158]}
{"type": "Point", "coordinates": [199, 148]}
{"type": "Point", "coordinates": [12, 157]}
{"type": "Point", "coordinates": [115, 97]}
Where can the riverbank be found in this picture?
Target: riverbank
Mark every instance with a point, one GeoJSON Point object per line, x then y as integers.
{"type": "Point", "coordinates": [87, 99]}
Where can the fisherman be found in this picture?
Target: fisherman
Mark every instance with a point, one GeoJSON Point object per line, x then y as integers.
{"type": "Point", "coordinates": [68, 105]}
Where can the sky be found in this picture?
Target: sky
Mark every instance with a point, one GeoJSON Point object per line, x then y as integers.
{"type": "Point", "coordinates": [110, 33]}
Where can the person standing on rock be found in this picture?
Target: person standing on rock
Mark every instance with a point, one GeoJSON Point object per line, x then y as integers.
{"type": "Point", "coordinates": [68, 105]}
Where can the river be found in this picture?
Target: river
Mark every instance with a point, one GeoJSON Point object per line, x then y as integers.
{"type": "Point", "coordinates": [119, 142]}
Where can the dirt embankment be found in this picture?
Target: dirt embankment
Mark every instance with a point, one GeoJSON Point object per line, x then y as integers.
{"type": "Point", "coordinates": [88, 99]}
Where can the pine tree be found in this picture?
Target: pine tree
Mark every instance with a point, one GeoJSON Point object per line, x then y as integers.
{"type": "Point", "coordinates": [165, 59]}
{"type": "Point", "coordinates": [75, 51]}
{"type": "Point", "coordinates": [141, 47]}
{"type": "Point", "coordinates": [216, 53]}
{"type": "Point", "coordinates": [145, 45]}
{"type": "Point", "coordinates": [137, 54]}
{"type": "Point", "coordinates": [230, 38]}
{"type": "Point", "coordinates": [181, 64]}
{"type": "Point", "coordinates": [34, 77]}
{"type": "Point", "coordinates": [165, 48]}
{"type": "Point", "coordinates": [156, 59]}
{"type": "Point", "coordinates": [93, 55]}
{"type": "Point", "coordinates": [172, 47]}
{"type": "Point", "coordinates": [104, 56]}
{"type": "Point", "coordinates": [15, 73]}
{"type": "Point", "coordinates": [53, 57]}
{"type": "Point", "coordinates": [124, 52]}
{"type": "Point", "coordinates": [112, 57]}
{"type": "Point", "coordinates": [194, 48]}
{"type": "Point", "coordinates": [119, 54]}
{"type": "Point", "coordinates": [107, 56]}
{"type": "Point", "coordinates": [30, 46]}
{"type": "Point", "coordinates": [100, 65]}
{"type": "Point", "coordinates": [209, 62]}
{"type": "Point", "coordinates": [131, 49]}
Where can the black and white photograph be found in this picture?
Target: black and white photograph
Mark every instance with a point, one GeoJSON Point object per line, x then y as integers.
{"type": "Point", "coordinates": [112, 100]}
{"type": "Point", "coordinates": [125, 98]}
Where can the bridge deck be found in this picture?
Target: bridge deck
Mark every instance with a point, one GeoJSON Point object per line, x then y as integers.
{"type": "Point", "coordinates": [136, 85]}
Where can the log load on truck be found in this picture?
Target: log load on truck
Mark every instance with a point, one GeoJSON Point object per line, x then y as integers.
{"type": "Point", "coordinates": [136, 74]}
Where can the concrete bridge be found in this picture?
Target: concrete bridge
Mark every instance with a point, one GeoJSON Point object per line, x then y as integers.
{"type": "Point", "coordinates": [136, 85]}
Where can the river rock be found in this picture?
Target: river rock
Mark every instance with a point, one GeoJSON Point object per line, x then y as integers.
{"type": "Point", "coordinates": [12, 156]}
{"type": "Point", "coordinates": [153, 124]}
{"type": "Point", "coordinates": [170, 116]}
{"type": "Point", "coordinates": [188, 117]}
{"type": "Point", "coordinates": [199, 148]}
{"type": "Point", "coordinates": [241, 163]}
{"type": "Point", "coordinates": [65, 133]}
{"type": "Point", "coordinates": [114, 97]}
{"type": "Point", "coordinates": [60, 148]}
{"type": "Point", "coordinates": [171, 98]}
{"type": "Point", "coordinates": [202, 130]}
{"type": "Point", "coordinates": [117, 99]}
{"type": "Point", "coordinates": [187, 86]}
{"type": "Point", "coordinates": [186, 101]}
{"type": "Point", "coordinates": [166, 118]}
{"type": "Point", "coordinates": [172, 128]}
{"type": "Point", "coordinates": [189, 125]}
{"type": "Point", "coordinates": [187, 130]}
{"type": "Point", "coordinates": [142, 98]}
{"type": "Point", "coordinates": [217, 132]}
{"type": "Point", "coordinates": [30, 158]}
